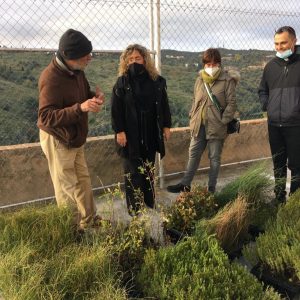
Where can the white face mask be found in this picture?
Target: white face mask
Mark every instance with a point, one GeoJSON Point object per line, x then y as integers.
{"type": "Point", "coordinates": [212, 71]}
{"type": "Point", "coordinates": [285, 54]}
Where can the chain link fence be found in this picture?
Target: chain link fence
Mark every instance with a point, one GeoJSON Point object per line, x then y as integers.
{"type": "Point", "coordinates": [30, 31]}
{"type": "Point", "coordinates": [243, 30]}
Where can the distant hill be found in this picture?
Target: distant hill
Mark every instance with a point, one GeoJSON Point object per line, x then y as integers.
{"type": "Point", "coordinates": [19, 72]}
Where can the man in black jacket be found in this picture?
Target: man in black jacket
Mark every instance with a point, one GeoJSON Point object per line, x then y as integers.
{"type": "Point", "coordinates": [279, 93]}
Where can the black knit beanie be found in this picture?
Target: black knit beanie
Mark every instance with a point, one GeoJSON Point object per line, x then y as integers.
{"type": "Point", "coordinates": [73, 45]}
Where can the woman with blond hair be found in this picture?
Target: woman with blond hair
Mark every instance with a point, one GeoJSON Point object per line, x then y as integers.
{"type": "Point", "coordinates": [141, 120]}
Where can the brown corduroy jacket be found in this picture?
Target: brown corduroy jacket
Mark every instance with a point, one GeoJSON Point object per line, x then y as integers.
{"type": "Point", "coordinates": [61, 92]}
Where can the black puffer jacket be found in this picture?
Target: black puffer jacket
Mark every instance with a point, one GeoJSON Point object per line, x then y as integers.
{"type": "Point", "coordinates": [279, 91]}
{"type": "Point", "coordinates": [124, 115]}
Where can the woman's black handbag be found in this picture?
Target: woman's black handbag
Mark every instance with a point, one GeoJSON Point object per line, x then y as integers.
{"type": "Point", "coordinates": [234, 125]}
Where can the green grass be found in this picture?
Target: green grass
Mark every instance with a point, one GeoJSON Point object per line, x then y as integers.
{"type": "Point", "coordinates": [254, 185]}
{"type": "Point", "coordinates": [41, 258]}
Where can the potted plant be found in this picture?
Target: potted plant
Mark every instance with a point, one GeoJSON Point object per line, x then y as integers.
{"type": "Point", "coordinates": [189, 207]}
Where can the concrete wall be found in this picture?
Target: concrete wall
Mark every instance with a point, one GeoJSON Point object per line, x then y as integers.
{"type": "Point", "coordinates": [24, 174]}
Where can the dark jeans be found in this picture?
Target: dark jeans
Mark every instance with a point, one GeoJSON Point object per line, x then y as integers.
{"type": "Point", "coordinates": [139, 182]}
{"type": "Point", "coordinates": [285, 148]}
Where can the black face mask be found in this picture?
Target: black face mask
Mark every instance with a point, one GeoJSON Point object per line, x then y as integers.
{"type": "Point", "coordinates": [136, 69]}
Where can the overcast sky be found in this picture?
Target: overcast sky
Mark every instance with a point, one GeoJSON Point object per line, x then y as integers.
{"type": "Point", "coordinates": [191, 25]}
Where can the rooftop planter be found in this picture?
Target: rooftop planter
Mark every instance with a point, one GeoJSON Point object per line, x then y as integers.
{"type": "Point", "coordinates": [276, 254]}
{"type": "Point", "coordinates": [197, 268]}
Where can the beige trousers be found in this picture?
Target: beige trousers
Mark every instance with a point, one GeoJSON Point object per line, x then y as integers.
{"type": "Point", "coordinates": [70, 177]}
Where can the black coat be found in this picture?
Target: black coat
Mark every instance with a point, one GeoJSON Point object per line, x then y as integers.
{"type": "Point", "coordinates": [279, 91]}
{"type": "Point", "coordinates": [124, 116]}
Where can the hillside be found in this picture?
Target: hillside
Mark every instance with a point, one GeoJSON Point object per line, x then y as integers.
{"type": "Point", "coordinates": [19, 72]}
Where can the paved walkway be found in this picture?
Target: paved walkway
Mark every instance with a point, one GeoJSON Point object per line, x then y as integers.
{"type": "Point", "coordinates": [113, 206]}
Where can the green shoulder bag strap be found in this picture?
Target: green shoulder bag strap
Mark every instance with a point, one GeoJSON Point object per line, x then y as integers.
{"type": "Point", "coordinates": [213, 98]}
{"type": "Point", "coordinates": [234, 125]}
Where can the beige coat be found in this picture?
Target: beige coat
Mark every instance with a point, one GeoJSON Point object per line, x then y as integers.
{"type": "Point", "coordinates": [224, 89]}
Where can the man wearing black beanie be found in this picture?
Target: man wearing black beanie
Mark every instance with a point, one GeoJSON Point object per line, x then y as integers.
{"type": "Point", "coordinates": [65, 98]}
{"type": "Point", "coordinates": [73, 45]}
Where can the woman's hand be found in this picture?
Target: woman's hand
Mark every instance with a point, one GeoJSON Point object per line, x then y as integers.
{"type": "Point", "coordinates": [121, 139]}
{"type": "Point", "coordinates": [167, 133]}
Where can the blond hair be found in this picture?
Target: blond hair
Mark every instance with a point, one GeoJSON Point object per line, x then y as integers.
{"type": "Point", "coordinates": [148, 61]}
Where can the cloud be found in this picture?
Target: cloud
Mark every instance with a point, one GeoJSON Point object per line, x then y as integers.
{"type": "Point", "coordinates": [111, 25]}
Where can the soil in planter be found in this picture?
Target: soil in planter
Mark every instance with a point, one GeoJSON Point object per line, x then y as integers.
{"type": "Point", "coordinates": [235, 253]}
{"type": "Point", "coordinates": [254, 231]}
{"type": "Point", "coordinates": [280, 284]}
{"type": "Point", "coordinates": [174, 235]}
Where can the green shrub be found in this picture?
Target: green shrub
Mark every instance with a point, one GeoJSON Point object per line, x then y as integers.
{"type": "Point", "coordinates": [278, 249]}
{"type": "Point", "coordinates": [289, 213]}
{"type": "Point", "coordinates": [189, 208]}
{"type": "Point", "coordinates": [129, 246]}
{"type": "Point", "coordinates": [197, 268]}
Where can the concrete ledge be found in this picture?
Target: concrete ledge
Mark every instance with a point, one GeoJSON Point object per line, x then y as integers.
{"type": "Point", "coordinates": [251, 143]}
{"type": "Point", "coordinates": [24, 174]}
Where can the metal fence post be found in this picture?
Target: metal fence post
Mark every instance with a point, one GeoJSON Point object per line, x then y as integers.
{"type": "Point", "coordinates": [158, 66]}
{"type": "Point", "coordinates": [151, 28]}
